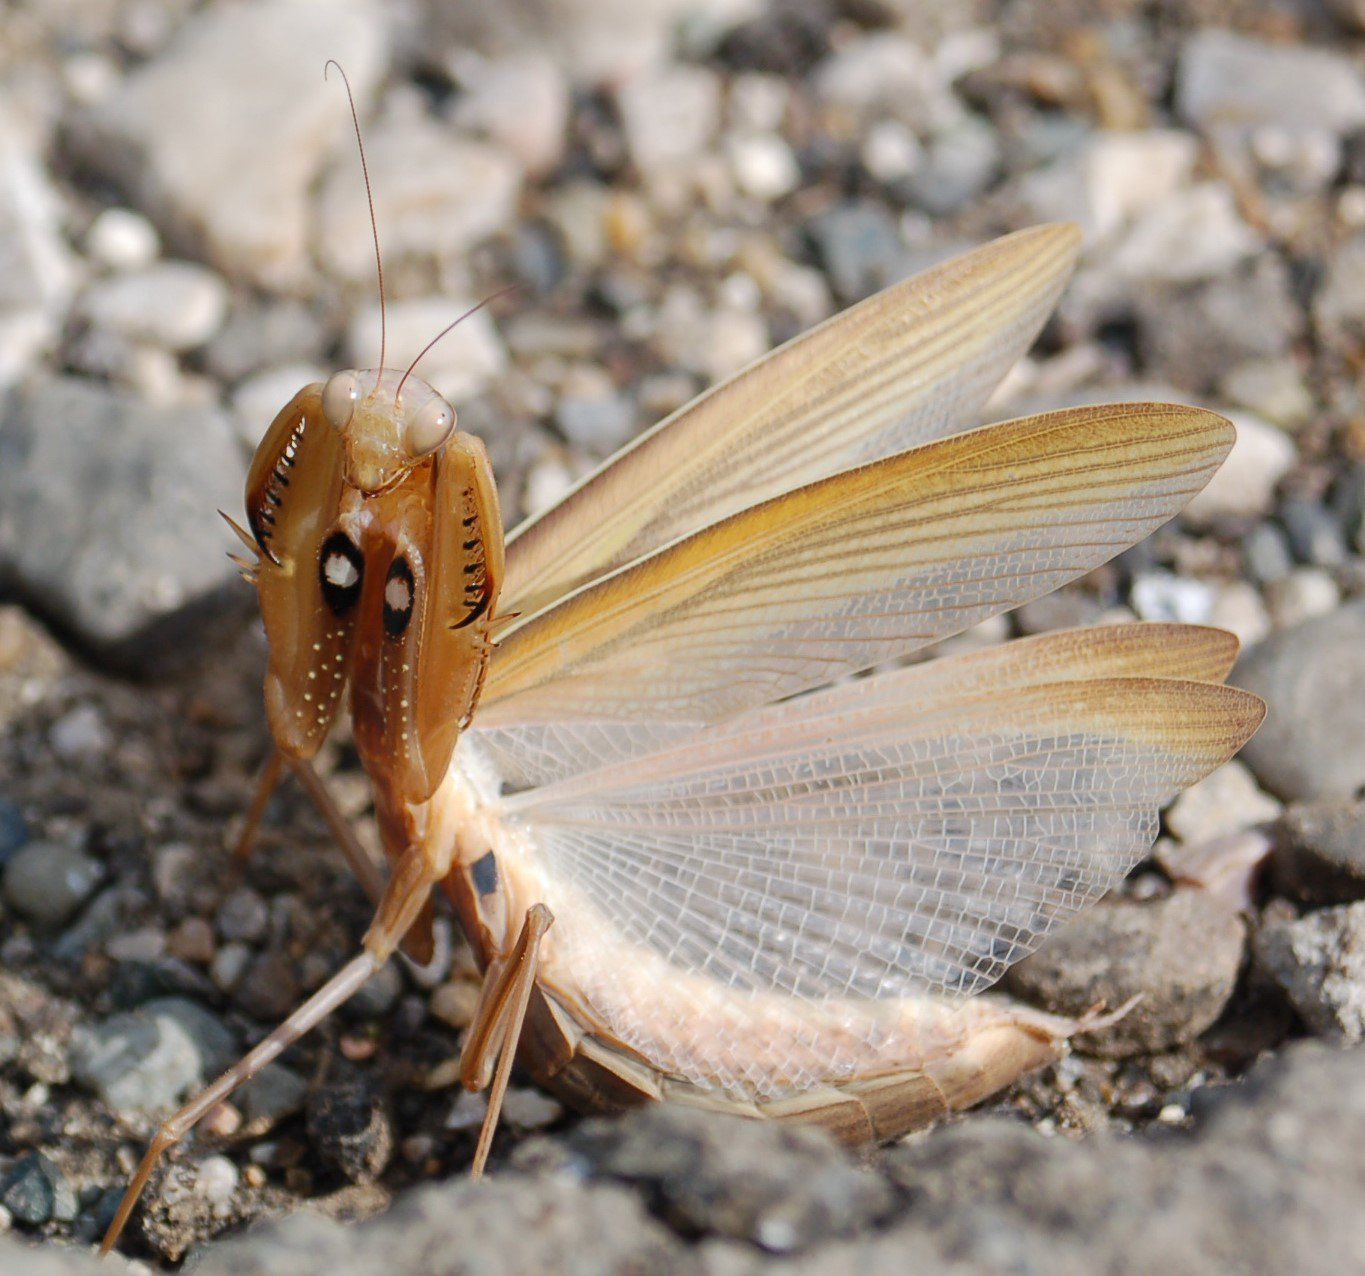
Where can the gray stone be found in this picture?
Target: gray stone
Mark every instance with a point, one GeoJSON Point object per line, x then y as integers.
{"type": "Point", "coordinates": [885, 73]}
{"type": "Point", "coordinates": [1319, 962]}
{"type": "Point", "coordinates": [1319, 856]}
{"type": "Point", "coordinates": [959, 163]}
{"type": "Point", "coordinates": [264, 335]}
{"type": "Point", "coordinates": [1191, 334]}
{"type": "Point", "coordinates": [594, 41]}
{"type": "Point", "coordinates": [1339, 304]}
{"type": "Point", "coordinates": [379, 994]}
{"type": "Point", "coordinates": [1312, 744]}
{"type": "Point", "coordinates": [1267, 1181]}
{"type": "Point", "coordinates": [173, 304]}
{"type": "Point", "coordinates": [1271, 388]}
{"type": "Point", "coordinates": [254, 125]}
{"type": "Point", "coordinates": [591, 413]}
{"type": "Point", "coordinates": [1180, 953]}
{"type": "Point", "coordinates": [782, 1188]}
{"type": "Point", "coordinates": [107, 517]}
{"type": "Point", "coordinates": [860, 249]}
{"type": "Point", "coordinates": [147, 1060]}
{"type": "Point", "coordinates": [1227, 80]}
{"type": "Point", "coordinates": [14, 830]}
{"type": "Point", "coordinates": [35, 1191]}
{"type": "Point", "coordinates": [440, 193]}
{"type": "Point", "coordinates": [1265, 553]}
{"type": "Point", "coordinates": [47, 882]}
{"type": "Point", "coordinates": [1314, 534]}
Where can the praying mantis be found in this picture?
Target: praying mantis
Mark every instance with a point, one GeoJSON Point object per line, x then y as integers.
{"type": "Point", "coordinates": [709, 843]}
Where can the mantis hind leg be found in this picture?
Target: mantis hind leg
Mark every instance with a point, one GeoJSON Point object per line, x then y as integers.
{"type": "Point", "coordinates": [497, 1024]}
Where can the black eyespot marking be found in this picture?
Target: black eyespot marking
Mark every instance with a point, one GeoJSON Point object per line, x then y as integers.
{"type": "Point", "coordinates": [399, 594]}
{"type": "Point", "coordinates": [340, 568]}
{"type": "Point", "coordinates": [484, 874]}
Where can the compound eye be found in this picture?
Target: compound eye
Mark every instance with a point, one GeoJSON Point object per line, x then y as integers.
{"type": "Point", "coordinates": [430, 427]}
{"type": "Point", "coordinates": [339, 397]}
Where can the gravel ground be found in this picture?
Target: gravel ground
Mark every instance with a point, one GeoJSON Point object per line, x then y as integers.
{"type": "Point", "coordinates": [674, 186]}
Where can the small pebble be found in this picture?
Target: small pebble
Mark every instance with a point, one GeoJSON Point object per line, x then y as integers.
{"type": "Point", "coordinates": [1319, 858]}
{"type": "Point", "coordinates": [1319, 962]}
{"type": "Point", "coordinates": [47, 883]}
{"type": "Point", "coordinates": [379, 994]}
{"type": "Point", "coordinates": [467, 1112]}
{"type": "Point", "coordinates": [14, 830]}
{"type": "Point", "coordinates": [271, 1095]}
{"type": "Point", "coordinates": [350, 1130]}
{"type": "Point", "coordinates": [80, 734]}
{"type": "Point", "coordinates": [1305, 593]}
{"type": "Point", "coordinates": [35, 1191]}
{"type": "Point", "coordinates": [243, 916]}
{"type": "Point", "coordinates": [217, 1179]}
{"type": "Point", "coordinates": [192, 940]}
{"type": "Point", "coordinates": [269, 987]}
{"type": "Point", "coordinates": [176, 305]}
{"type": "Point", "coordinates": [527, 1109]}
{"type": "Point", "coordinates": [1224, 802]}
{"type": "Point", "coordinates": [1265, 551]}
{"type": "Point", "coordinates": [229, 965]}
{"type": "Point", "coordinates": [122, 239]}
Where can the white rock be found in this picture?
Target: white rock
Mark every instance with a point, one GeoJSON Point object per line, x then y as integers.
{"type": "Point", "coordinates": [1305, 593]}
{"type": "Point", "coordinates": [1166, 597]}
{"type": "Point", "coordinates": [891, 151]}
{"type": "Point", "coordinates": [1127, 174]}
{"type": "Point", "coordinates": [437, 194]}
{"type": "Point", "coordinates": [1245, 484]}
{"type": "Point", "coordinates": [37, 271]}
{"type": "Point", "coordinates": [217, 1180]}
{"type": "Point", "coordinates": [758, 103]}
{"type": "Point", "coordinates": [173, 304]}
{"type": "Point", "coordinates": [763, 165]}
{"type": "Point", "coordinates": [1224, 802]}
{"type": "Point", "coordinates": [1191, 235]}
{"type": "Point", "coordinates": [1229, 80]}
{"type": "Point", "coordinates": [669, 117]}
{"type": "Point", "coordinates": [521, 102]}
{"type": "Point", "coordinates": [1238, 607]}
{"type": "Point", "coordinates": [710, 342]}
{"type": "Point", "coordinates": [251, 132]}
{"type": "Point", "coordinates": [257, 400]}
{"type": "Point", "coordinates": [460, 366]}
{"type": "Point", "coordinates": [122, 239]}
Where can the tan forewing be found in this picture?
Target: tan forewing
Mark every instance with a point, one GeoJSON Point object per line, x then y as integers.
{"type": "Point", "coordinates": [856, 569]}
{"type": "Point", "coordinates": [912, 363]}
